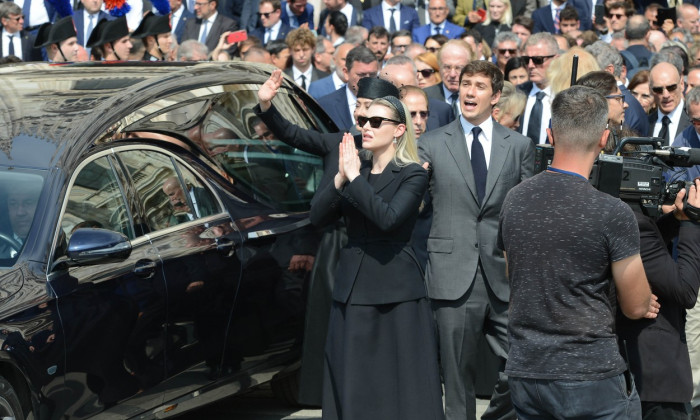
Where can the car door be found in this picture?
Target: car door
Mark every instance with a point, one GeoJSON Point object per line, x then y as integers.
{"type": "Point", "coordinates": [112, 314]}
{"type": "Point", "coordinates": [194, 237]}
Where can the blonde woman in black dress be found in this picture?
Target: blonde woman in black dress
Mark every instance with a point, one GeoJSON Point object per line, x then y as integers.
{"type": "Point", "coordinates": [381, 351]}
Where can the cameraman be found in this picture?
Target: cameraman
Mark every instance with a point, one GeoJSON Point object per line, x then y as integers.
{"type": "Point", "coordinates": [656, 349]}
{"type": "Point", "coordinates": [606, 84]}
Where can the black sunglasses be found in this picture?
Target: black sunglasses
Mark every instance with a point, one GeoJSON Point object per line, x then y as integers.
{"type": "Point", "coordinates": [426, 72]}
{"type": "Point", "coordinates": [660, 89]}
{"type": "Point", "coordinates": [616, 15]}
{"type": "Point", "coordinates": [423, 114]}
{"type": "Point", "coordinates": [537, 60]}
{"type": "Point", "coordinates": [508, 50]}
{"type": "Point", "coordinates": [266, 14]}
{"type": "Point", "coordinates": [433, 49]}
{"type": "Point", "coordinates": [374, 122]}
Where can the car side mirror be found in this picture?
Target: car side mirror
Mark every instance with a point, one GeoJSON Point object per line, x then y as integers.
{"type": "Point", "coordinates": [91, 246]}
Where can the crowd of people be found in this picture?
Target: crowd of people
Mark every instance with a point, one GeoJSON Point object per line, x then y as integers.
{"type": "Point", "coordinates": [586, 309]}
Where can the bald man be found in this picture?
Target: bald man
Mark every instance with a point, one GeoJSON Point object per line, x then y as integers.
{"type": "Point", "coordinates": [667, 87]}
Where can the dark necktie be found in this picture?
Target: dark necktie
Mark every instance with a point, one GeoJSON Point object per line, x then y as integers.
{"type": "Point", "coordinates": [454, 98]}
{"type": "Point", "coordinates": [557, 13]}
{"type": "Point", "coordinates": [437, 30]}
{"type": "Point", "coordinates": [663, 133]}
{"type": "Point", "coordinates": [303, 82]}
{"type": "Point", "coordinates": [11, 49]}
{"type": "Point", "coordinates": [535, 122]}
{"type": "Point", "coordinates": [478, 160]}
{"type": "Point", "coordinates": [392, 24]}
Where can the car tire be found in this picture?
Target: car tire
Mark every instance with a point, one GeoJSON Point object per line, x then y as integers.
{"type": "Point", "coordinates": [10, 406]}
{"type": "Point", "coordinates": [285, 387]}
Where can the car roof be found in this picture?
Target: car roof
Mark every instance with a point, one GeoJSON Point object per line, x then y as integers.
{"type": "Point", "coordinates": [50, 114]}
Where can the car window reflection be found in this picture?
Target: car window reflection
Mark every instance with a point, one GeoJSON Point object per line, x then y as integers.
{"type": "Point", "coordinates": [19, 195]}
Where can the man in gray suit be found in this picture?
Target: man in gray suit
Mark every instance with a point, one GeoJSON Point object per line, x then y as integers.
{"type": "Point", "coordinates": [466, 273]}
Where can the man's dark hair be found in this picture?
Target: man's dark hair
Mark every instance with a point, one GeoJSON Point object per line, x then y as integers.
{"type": "Point", "coordinates": [339, 21]}
{"type": "Point", "coordinates": [378, 32]}
{"type": "Point", "coordinates": [621, 5]}
{"type": "Point", "coordinates": [637, 29]}
{"type": "Point", "coordinates": [487, 69]}
{"type": "Point", "coordinates": [569, 13]}
{"type": "Point", "coordinates": [602, 81]}
{"type": "Point", "coordinates": [276, 4]}
{"type": "Point", "coordinates": [474, 34]}
{"type": "Point", "coordinates": [360, 53]}
{"type": "Point", "coordinates": [402, 32]}
{"type": "Point", "coordinates": [524, 21]}
{"type": "Point", "coordinates": [275, 47]}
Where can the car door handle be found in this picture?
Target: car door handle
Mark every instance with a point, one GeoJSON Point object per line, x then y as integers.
{"type": "Point", "coordinates": [224, 246]}
{"type": "Point", "coordinates": [145, 268]}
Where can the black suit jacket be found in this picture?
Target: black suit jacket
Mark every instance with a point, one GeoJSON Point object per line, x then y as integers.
{"type": "Point", "coordinates": [378, 265]}
{"type": "Point", "coordinates": [336, 106]}
{"type": "Point", "coordinates": [436, 91]}
{"type": "Point", "coordinates": [316, 74]}
{"type": "Point", "coordinates": [221, 24]}
{"type": "Point", "coordinates": [281, 34]}
{"type": "Point", "coordinates": [440, 114]}
{"type": "Point", "coordinates": [29, 53]}
{"type": "Point", "coordinates": [683, 123]}
{"type": "Point", "coordinates": [658, 353]}
{"type": "Point", "coordinates": [180, 28]}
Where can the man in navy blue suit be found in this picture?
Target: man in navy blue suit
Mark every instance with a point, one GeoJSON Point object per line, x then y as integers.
{"type": "Point", "coordinates": [270, 12]}
{"type": "Point", "coordinates": [22, 41]}
{"type": "Point", "coordinates": [86, 19]}
{"type": "Point", "coordinates": [340, 105]}
{"type": "Point", "coordinates": [298, 12]}
{"type": "Point", "coordinates": [391, 15]}
{"type": "Point", "coordinates": [343, 6]}
{"type": "Point", "coordinates": [544, 17]}
{"type": "Point", "coordinates": [439, 25]}
{"type": "Point", "coordinates": [178, 18]}
{"type": "Point", "coordinates": [337, 79]}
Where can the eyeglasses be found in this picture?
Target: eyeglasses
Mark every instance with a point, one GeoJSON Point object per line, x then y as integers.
{"type": "Point", "coordinates": [507, 50]}
{"type": "Point", "coordinates": [619, 97]}
{"type": "Point", "coordinates": [437, 9]}
{"type": "Point", "coordinates": [433, 49]}
{"type": "Point", "coordinates": [423, 114]}
{"type": "Point", "coordinates": [16, 19]}
{"type": "Point", "coordinates": [266, 14]}
{"type": "Point", "coordinates": [374, 122]}
{"type": "Point", "coordinates": [616, 15]}
{"type": "Point", "coordinates": [660, 89]}
{"type": "Point", "coordinates": [399, 47]}
{"type": "Point", "coordinates": [425, 72]}
{"type": "Point", "coordinates": [537, 60]}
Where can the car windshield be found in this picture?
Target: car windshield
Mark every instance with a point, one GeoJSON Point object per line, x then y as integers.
{"type": "Point", "coordinates": [19, 195]}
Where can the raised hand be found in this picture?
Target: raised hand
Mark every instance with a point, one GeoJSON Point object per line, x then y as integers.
{"type": "Point", "coordinates": [268, 90]}
{"type": "Point", "coordinates": [350, 160]}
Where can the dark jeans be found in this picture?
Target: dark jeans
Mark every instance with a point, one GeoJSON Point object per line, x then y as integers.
{"type": "Point", "coordinates": [537, 399]}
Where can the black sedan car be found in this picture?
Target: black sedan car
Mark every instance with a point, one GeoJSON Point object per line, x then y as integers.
{"type": "Point", "coordinates": [148, 221]}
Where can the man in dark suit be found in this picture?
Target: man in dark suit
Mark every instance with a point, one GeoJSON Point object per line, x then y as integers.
{"type": "Point", "coordinates": [353, 15]}
{"type": "Point", "coordinates": [298, 12]}
{"type": "Point", "coordinates": [179, 17]}
{"type": "Point", "coordinates": [86, 19]}
{"type": "Point", "coordinates": [544, 17]}
{"type": "Point", "coordinates": [385, 15]}
{"type": "Point", "coordinates": [208, 25]}
{"type": "Point", "coordinates": [657, 349]}
{"type": "Point", "coordinates": [438, 25]}
{"type": "Point", "coordinates": [670, 118]}
{"type": "Point", "coordinates": [273, 28]}
{"type": "Point", "coordinates": [301, 44]}
{"type": "Point", "coordinates": [466, 274]}
{"type": "Point", "coordinates": [337, 79]}
{"type": "Point", "coordinates": [340, 105]}
{"type": "Point", "coordinates": [15, 40]}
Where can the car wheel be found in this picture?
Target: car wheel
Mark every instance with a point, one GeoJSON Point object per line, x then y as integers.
{"type": "Point", "coordinates": [10, 406]}
{"type": "Point", "coordinates": [286, 387]}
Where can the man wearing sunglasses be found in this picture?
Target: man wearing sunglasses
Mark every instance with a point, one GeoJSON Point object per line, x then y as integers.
{"type": "Point", "coordinates": [670, 117]}
{"type": "Point", "coordinates": [540, 49]}
{"type": "Point", "coordinates": [15, 40]}
{"type": "Point", "coordinates": [506, 46]}
{"type": "Point", "coordinates": [475, 161]}
{"type": "Point", "coordinates": [273, 28]}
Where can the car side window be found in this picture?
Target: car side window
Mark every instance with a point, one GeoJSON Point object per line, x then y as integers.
{"type": "Point", "coordinates": [96, 200]}
{"type": "Point", "coordinates": [167, 200]}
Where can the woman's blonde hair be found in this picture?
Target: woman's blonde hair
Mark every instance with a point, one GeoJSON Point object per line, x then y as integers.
{"type": "Point", "coordinates": [507, 14]}
{"type": "Point", "coordinates": [559, 71]}
{"type": "Point", "coordinates": [512, 100]}
{"type": "Point", "coordinates": [406, 148]}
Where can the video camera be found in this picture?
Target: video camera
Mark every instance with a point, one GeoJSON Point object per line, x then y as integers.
{"type": "Point", "coordinates": [637, 178]}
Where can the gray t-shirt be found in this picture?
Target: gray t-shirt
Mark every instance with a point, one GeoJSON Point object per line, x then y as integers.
{"type": "Point", "coordinates": [561, 235]}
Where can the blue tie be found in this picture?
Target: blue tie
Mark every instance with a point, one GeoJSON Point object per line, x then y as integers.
{"type": "Point", "coordinates": [203, 38]}
{"type": "Point", "coordinates": [478, 164]}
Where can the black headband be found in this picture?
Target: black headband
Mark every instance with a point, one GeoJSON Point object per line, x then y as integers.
{"type": "Point", "coordinates": [398, 106]}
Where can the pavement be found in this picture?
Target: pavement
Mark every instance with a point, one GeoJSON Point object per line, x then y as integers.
{"type": "Point", "coordinates": [260, 404]}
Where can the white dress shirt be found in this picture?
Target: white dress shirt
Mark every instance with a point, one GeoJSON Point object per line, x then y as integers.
{"type": "Point", "coordinates": [86, 24]}
{"type": "Point", "coordinates": [387, 14]}
{"type": "Point", "coordinates": [675, 117]}
{"type": "Point", "coordinates": [348, 10]}
{"type": "Point", "coordinates": [485, 137]}
{"type": "Point", "coordinates": [546, 111]}
{"type": "Point", "coordinates": [337, 82]}
{"type": "Point", "coordinates": [274, 32]}
{"type": "Point", "coordinates": [307, 74]}
{"type": "Point", "coordinates": [210, 23]}
{"type": "Point", "coordinates": [352, 102]}
{"type": "Point", "coordinates": [37, 12]}
{"type": "Point", "coordinates": [175, 18]}
{"type": "Point", "coordinates": [16, 42]}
